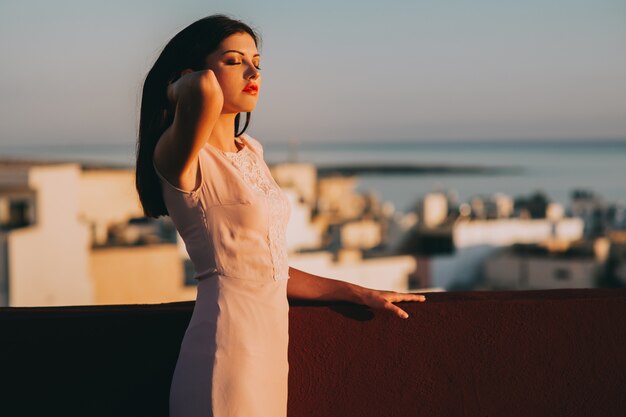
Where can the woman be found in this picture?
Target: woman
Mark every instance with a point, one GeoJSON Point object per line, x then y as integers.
{"type": "Point", "coordinates": [194, 166]}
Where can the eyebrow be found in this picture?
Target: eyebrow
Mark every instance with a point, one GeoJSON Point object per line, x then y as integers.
{"type": "Point", "coordinates": [241, 53]}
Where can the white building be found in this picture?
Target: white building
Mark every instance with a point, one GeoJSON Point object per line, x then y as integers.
{"type": "Point", "coordinates": [532, 267]}
{"type": "Point", "coordinates": [474, 241]}
{"type": "Point", "coordinates": [51, 216]}
{"type": "Point", "coordinates": [46, 261]}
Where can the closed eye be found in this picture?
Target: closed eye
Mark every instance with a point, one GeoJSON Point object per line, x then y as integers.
{"type": "Point", "coordinates": [239, 63]}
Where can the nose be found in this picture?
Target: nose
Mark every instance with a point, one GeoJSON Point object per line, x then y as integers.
{"type": "Point", "coordinates": [253, 73]}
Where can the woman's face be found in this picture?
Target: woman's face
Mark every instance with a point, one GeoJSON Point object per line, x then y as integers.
{"type": "Point", "coordinates": [236, 64]}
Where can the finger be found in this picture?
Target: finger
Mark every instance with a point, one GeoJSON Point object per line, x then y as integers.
{"type": "Point", "coordinates": [403, 314]}
{"type": "Point", "coordinates": [408, 297]}
{"type": "Point", "coordinates": [397, 310]}
{"type": "Point", "coordinates": [415, 297]}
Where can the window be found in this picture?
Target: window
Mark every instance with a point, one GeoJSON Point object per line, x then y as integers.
{"type": "Point", "coordinates": [562, 274]}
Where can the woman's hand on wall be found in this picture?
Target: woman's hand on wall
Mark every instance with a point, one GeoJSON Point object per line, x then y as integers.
{"type": "Point", "coordinates": [383, 300]}
{"type": "Point", "coordinates": [305, 285]}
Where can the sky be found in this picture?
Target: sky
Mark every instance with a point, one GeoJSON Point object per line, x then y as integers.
{"type": "Point", "coordinates": [351, 71]}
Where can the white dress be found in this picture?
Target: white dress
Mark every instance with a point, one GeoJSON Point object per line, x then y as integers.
{"type": "Point", "coordinates": [233, 357]}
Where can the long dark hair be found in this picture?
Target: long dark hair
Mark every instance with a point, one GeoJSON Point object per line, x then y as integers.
{"type": "Point", "coordinates": [188, 49]}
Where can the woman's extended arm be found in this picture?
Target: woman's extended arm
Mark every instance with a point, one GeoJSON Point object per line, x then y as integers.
{"type": "Point", "coordinates": [308, 286]}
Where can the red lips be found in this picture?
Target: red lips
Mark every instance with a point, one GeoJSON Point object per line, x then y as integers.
{"type": "Point", "coordinates": [251, 88]}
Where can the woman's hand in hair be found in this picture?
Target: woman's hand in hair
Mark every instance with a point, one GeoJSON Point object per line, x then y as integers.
{"type": "Point", "coordinates": [196, 100]}
{"type": "Point", "coordinates": [201, 86]}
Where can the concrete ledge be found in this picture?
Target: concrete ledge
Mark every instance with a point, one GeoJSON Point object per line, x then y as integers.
{"type": "Point", "coordinates": [524, 353]}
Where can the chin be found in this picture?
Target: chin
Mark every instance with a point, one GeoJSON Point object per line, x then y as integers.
{"type": "Point", "coordinates": [245, 109]}
{"type": "Point", "coordinates": [241, 107]}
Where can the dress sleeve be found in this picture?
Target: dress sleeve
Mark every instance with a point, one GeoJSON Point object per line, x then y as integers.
{"type": "Point", "coordinates": [180, 190]}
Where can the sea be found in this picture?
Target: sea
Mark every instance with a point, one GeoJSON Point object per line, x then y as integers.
{"type": "Point", "coordinates": [554, 167]}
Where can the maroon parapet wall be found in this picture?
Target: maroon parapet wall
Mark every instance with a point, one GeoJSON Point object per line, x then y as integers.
{"type": "Point", "coordinates": [531, 353]}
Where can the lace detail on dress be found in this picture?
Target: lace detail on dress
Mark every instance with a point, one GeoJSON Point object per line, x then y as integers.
{"type": "Point", "coordinates": [279, 207]}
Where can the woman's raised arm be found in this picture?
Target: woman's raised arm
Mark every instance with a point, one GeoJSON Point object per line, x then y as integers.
{"type": "Point", "coordinates": [196, 99]}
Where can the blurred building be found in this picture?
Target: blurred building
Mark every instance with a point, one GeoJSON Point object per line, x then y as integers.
{"type": "Point", "coordinates": [45, 246]}
{"type": "Point", "coordinates": [75, 234]}
{"type": "Point", "coordinates": [107, 197]}
{"type": "Point", "coordinates": [341, 234]}
{"type": "Point", "coordinates": [547, 265]}
{"type": "Point", "coordinates": [300, 177]}
{"type": "Point", "coordinates": [495, 206]}
{"type": "Point", "coordinates": [68, 237]}
{"type": "Point", "coordinates": [616, 262]}
{"type": "Point", "coordinates": [600, 216]}
{"type": "Point", "coordinates": [451, 250]}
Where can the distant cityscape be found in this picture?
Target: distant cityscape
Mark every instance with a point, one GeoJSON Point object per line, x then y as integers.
{"type": "Point", "coordinates": [74, 234]}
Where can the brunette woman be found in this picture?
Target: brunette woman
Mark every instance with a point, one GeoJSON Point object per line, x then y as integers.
{"type": "Point", "coordinates": [195, 165]}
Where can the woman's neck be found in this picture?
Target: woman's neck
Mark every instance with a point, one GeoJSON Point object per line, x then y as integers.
{"type": "Point", "coordinates": [223, 134]}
